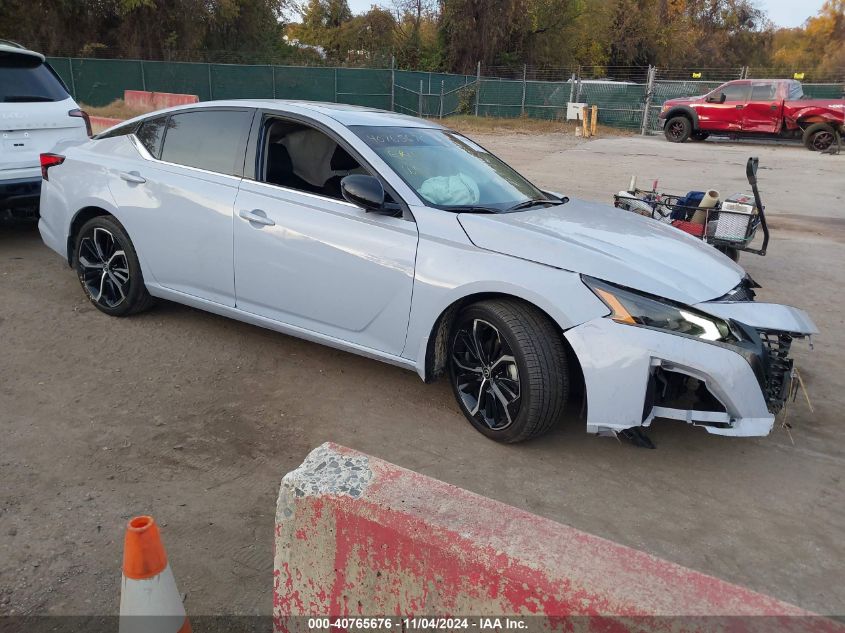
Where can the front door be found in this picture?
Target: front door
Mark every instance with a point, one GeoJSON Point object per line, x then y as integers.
{"type": "Point", "coordinates": [307, 258]}
{"type": "Point", "coordinates": [726, 116]}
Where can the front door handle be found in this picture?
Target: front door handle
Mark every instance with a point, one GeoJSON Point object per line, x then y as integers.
{"type": "Point", "coordinates": [740, 106]}
{"type": "Point", "coordinates": [256, 216]}
{"type": "Point", "coordinates": [133, 176]}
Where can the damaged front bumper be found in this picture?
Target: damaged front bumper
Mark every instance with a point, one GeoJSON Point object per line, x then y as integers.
{"type": "Point", "coordinates": [635, 374]}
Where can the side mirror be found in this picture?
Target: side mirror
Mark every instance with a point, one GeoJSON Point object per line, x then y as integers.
{"type": "Point", "coordinates": [751, 170]}
{"type": "Point", "coordinates": [719, 98]}
{"type": "Point", "coordinates": [365, 191]}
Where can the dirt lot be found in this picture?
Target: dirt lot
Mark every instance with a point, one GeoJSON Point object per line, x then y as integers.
{"type": "Point", "coordinates": [195, 418]}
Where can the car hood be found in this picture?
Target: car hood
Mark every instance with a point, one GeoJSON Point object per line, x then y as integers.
{"type": "Point", "coordinates": [610, 244]}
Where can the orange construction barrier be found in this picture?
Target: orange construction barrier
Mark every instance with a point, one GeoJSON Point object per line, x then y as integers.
{"type": "Point", "coordinates": [149, 599]}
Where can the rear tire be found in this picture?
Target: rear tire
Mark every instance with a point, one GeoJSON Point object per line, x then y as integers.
{"type": "Point", "coordinates": [819, 137]}
{"type": "Point", "coordinates": [108, 268]}
{"type": "Point", "coordinates": [678, 129]}
{"type": "Point", "coordinates": [508, 369]}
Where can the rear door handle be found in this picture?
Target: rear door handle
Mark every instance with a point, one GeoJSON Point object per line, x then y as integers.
{"type": "Point", "coordinates": [133, 176]}
{"type": "Point", "coordinates": [256, 216]}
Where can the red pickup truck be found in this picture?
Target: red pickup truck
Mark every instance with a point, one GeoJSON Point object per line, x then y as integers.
{"type": "Point", "coordinates": [756, 107]}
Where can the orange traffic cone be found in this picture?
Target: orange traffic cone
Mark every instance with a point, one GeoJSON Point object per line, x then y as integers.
{"type": "Point", "coordinates": [149, 600]}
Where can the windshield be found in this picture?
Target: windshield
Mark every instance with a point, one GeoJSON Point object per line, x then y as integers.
{"type": "Point", "coordinates": [26, 79]}
{"type": "Point", "coordinates": [448, 170]}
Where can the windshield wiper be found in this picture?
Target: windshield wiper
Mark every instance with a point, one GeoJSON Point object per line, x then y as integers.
{"type": "Point", "coordinates": [535, 201]}
{"type": "Point", "coordinates": [470, 208]}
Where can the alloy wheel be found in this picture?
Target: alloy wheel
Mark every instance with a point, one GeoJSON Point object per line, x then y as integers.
{"type": "Point", "coordinates": [103, 268]}
{"type": "Point", "coordinates": [486, 374]}
{"type": "Point", "coordinates": [676, 130]}
{"type": "Point", "coordinates": [822, 140]}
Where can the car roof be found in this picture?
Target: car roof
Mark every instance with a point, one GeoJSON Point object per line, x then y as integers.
{"type": "Point", "coordinates": [8, 46]}
{"type": "Point", "coordinates": [344, 114]}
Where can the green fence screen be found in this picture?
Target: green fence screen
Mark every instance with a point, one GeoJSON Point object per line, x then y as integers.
{"type": "Point", "coordinates": [98, 82]}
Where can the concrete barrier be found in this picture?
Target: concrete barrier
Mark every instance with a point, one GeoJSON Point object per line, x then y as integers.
{"type": "Point", "coordinates": [142, 99]}
{"type": "Point", "coordinates": [357, 536]}
{"type": "Point", "coordinates": [100, 123]}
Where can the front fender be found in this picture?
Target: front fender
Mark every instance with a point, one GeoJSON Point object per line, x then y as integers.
{"type": "Point", "coordinates": [446, 274]}
{"type": "Point", "coordinates": [681, 110]}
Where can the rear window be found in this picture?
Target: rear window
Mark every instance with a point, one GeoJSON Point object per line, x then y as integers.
{"type": "Point", "coordinates": [26, 79]}
{"type": "Point", "coordinates": [763, 92]}
{"type": "Point", "coordinates": [208, 139]}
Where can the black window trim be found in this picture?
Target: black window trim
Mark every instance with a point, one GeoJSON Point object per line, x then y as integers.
{"type": "Point", "coordinates": [255, 147]}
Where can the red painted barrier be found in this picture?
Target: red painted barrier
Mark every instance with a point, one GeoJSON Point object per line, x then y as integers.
{"type": "Point", "coordinates": [357, 536]}
{"type": "Point", "coordinates": [100, 123]}
{"type": "Point", "coordinates": [156, 100]}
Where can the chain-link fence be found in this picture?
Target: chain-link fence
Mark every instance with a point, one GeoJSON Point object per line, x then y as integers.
{"type": "Point", "coordinates": [627, 97]}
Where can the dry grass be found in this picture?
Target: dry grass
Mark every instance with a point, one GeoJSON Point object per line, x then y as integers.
{"type": "Point", "coordinates": [466, 124]}
{"type": "Point", "coordinates": [523, 125]}
{"type": "Point", "coordinates": [115, 110]}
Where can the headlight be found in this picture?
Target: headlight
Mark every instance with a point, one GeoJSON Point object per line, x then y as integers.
{"type": "Point", "coordinates": [633, 308]}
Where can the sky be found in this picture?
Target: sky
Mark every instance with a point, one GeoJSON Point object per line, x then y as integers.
{"type": "Point", "coordinates": [781, 12]}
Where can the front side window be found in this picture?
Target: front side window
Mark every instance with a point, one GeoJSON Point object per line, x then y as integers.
{"type": "Point", "coordinates": [297, 156]}
{"type": "Point", "coordinates": [796, 91]}
{"type": "Point", "coordinates": [26, 79]}
{"type": "Point", "coordinates": [208, 139]}
{"type": "Point", "coordinates": [447, 169]}
{"type": "Point", "coordinates": [736, 92]}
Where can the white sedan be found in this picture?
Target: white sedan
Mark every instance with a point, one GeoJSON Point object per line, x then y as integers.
{"type": "Point", "coordinates": [401, 240]}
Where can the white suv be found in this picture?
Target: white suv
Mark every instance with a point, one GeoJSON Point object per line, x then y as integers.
{"type": "Point", "coordinates": [36, 111]}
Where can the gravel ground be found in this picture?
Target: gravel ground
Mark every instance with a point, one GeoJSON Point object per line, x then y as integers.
{"type": "Point", "coordinates": [195, 418]}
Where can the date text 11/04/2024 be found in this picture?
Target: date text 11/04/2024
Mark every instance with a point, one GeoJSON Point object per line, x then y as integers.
{"type": "Point", "coordinates": [417, 623]}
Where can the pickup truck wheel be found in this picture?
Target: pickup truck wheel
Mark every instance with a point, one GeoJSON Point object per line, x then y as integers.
{"type": "Point", "coordinates": [698, 135]}
{"type": "Point", "coordinates": [819, 137]}
{"type": "Point", "coordinates": [508, 369]}
{"type": "Point", "coordinates": [678, 129]}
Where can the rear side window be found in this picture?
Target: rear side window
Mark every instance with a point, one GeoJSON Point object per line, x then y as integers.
{"type": "Point", "coordinates": [737, 92]}
{"type": "Point", "coordinates": [151, 133]}
{"type": "Point", "coordinates": [26, 79]}
{"type": "Point", "coordinates": [208, 139]}
{"type": "Point", "coordinates": [763, 92]}
{"type": "Point", "coordinates": [796, 91]}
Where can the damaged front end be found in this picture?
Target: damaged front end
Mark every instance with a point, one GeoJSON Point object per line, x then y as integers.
{"type": "Point", "coordinates": [723, 364]}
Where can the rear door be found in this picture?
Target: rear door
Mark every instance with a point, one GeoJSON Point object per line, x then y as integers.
{"type": "Point", "coordinates": [34, 114]}
{"type": "Point", "coordinates": [763, 110]}
{"type": "Point", "coordinates": [727, 116]}
{"type": "Point", "coordinates": [176, 195]}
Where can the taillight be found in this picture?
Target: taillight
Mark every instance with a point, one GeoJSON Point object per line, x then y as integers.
{"type": "Point", "coordinates": [50, 160]}
{"type": "Point", "coordinates": [82, 114]}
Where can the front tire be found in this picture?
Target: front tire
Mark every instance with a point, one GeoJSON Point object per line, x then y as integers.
{"type": "Point", "coordinates": [819, 137]}
{"type": "Point", "coordinates": [108, 268]}
{"type": "Point", "coordinates": [699, 136]}
{"type": "Point", "coordinates": [508, 369]}
{"type": "Point", "coordinates": [678, 129]}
